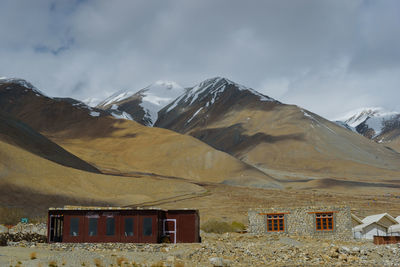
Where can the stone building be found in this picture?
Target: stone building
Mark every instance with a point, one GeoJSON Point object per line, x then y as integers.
{"type": "Point", "coordinates": [327, 221]}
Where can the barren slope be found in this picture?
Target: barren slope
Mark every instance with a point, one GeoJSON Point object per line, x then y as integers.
{"type": "Point", "coordinates": [32, 182]}
{"type": "Point", "coordinates": [18, 133]}
{"type": "Point", "coordinates": [122, 146]}
{"type": "Point", "coordinates": [284, 141]}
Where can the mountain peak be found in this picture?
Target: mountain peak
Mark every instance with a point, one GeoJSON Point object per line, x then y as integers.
{"type": "Point", "coordinates": [358, 116]}
{"type": "Point", "coordinates": [23, 83]}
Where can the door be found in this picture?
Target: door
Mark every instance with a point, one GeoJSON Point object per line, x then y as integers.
{"type": "Point", "coordinates": [169, 229]}
{"type": "Point", "coordinates": [56, 228]}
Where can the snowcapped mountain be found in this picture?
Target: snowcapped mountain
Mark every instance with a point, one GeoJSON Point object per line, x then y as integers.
{"type": "Point", "coordinates": [143, 105]}
{"type": "Point", "coordinates": [22, 83]}
{"type": "Point", "coordinates": [214, 95]}
{"type": "Point", "coordinates": [374, 122]}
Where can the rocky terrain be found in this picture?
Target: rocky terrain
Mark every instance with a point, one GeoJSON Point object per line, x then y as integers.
{"type": "Point", "coordinates": [229, 249]}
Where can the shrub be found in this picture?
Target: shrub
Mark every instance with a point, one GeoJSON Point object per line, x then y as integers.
{"type": "Point", "coordinates": [219, 227]}
{"type": "Point", "coordinates": [238, 226]}
{"type": "Point", "coordinates": [214, 226]}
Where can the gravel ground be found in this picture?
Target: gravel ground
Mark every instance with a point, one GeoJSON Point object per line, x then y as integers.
{"type": "Point", "coordinates": [215, 250]}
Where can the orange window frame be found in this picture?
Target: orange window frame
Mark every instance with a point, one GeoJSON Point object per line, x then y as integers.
{"type": "Point", "coordinates": [276, 222]}
{"type": "Point", "coordinates": [324, 221]}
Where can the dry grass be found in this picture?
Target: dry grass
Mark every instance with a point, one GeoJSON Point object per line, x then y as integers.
{"type": "Point", "coordinates": [10, 216]}
{"type": "Point", "coordinates": [33, 256]}
{"type": "Point", "coordinates": [121, 261]}
{"type": "Point", "coordinates": [179, 264]}
{"type": "Point", "coordinates": [219, 227]}
{"type": "Point", "coordinates": [98, 262]}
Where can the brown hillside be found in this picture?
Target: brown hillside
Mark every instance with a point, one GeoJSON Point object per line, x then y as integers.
{"type": "Point", "coordinates": [32, 182]}
{"type": "Point", "coordinates": [125, 147]}
{"type": "Point", "coordinates": [283, 141]}
{"type": "Point", "coordinates": [18, 133]}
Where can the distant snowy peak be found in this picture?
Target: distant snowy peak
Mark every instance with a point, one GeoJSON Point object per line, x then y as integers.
{"type": "Point", "coordinates": [23, 83]}
{"type": "Point", "coordinates": [370, 122]}
{"type": "Point", "coordinates": [358, 116]}
{"type": "Point", "coordinates": [213, 87]}
{"type": "Point", "coordinates": [143, 105]}
{"type": "Point", "coordinates": [157, 96]}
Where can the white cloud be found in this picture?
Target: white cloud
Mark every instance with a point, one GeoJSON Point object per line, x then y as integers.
{"type": "Point", "coordinates": [318, 54]}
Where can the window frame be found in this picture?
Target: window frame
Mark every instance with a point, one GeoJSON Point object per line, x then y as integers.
{"type": "Point", "coordinates": [145, 226]}
{"type": "Point", "coordinates": [96, 232]}
{"type": "Point", "coordinates": [77, 221]}
{"type": "Point", "coordinates": [272, 217]}
{"type": "Point", "coordinates": [109, 225]}
{"type": "Point", "coordinates": [125, 227]}
{"type": "Point", "coordinates": [324, 218]}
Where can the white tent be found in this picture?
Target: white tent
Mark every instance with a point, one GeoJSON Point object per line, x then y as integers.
{"type": "Point", "coordinates": [377, 224]}
{"type": "Point", "coordinates": [355, 220]}
{"type": "Point", "coordinates": [394, 230]}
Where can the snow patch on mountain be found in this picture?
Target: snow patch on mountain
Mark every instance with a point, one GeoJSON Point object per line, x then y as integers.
{"type": "Point", "coordinates": [219, 85]}
{"type": "Point", "coordinates": [194, 115]}
{"type": "Point", "coordinates": [22, 83]}
{"type": "Point", "coordinates": [374, 118]}
{"type": "Point", "coordinates": [123, 115]}
{"type": "Point", "coordinates": [92, 101]}
{"type": "Point", "coordinates": [94, 113]}
{"type": "Point", "coordinates": [158, 95]}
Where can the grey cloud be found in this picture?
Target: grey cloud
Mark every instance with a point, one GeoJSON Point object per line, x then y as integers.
{"type": "Point", "coordinates": [318, 54]}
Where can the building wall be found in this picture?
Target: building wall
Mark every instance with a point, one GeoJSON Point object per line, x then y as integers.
{"type": "Point", "coordinates": [301, 221]}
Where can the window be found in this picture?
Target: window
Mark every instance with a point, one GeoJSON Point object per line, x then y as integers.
{"type": "Point", "coordinates": [275, 222]}
{"type": "Point", "coordinates": [128, 226]}
{"type": "Point", "coordinates": [110, 226]}
{"type": "Point", "coordinates": [74, 227]}
{"type": "Point", "coordinates": [147, 226]}
{"type": "Point", "coordinates": [324, 221]}
{"type": "Point", "coordinates": [93, 226]}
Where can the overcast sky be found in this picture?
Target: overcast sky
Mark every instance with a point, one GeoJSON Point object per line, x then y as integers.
{"type": "Point", "coordinates": [327, 56]}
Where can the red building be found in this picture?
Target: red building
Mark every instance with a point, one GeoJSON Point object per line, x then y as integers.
{"type": "Point", "coordinates": [90, 225]}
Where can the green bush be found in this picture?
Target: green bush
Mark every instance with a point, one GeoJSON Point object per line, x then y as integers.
{"type": "Point", "coordinates": [238, 226]}
{"type": "Point", "coordinates": [219, 227]}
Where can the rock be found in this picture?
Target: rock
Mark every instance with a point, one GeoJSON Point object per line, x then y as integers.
{"type": "Point", "coordinates": [219, 262]}
{"type": "Point", "coordinates": [342, 257]}
{"type": "Point", "coordinates": [3, 229]}
{"type": "Point", "coordinates": [289, 241]}
{"type": "Point", "coordinates": [344, 250]}
{"type": "Point", "coordinates": [170, 259]}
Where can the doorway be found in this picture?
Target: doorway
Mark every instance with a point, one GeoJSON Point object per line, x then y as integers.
{"type": "Point", "coordinates": [56, 228]}
{"type": "Point", "coordinates": [169, 229]}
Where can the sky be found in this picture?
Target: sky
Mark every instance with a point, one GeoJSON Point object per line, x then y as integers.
{"type": "Point", "coordinates": [329, 56]}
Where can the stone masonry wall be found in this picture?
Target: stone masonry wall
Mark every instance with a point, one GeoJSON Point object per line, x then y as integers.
{"type": "Point", "coordinates": [301, 221]}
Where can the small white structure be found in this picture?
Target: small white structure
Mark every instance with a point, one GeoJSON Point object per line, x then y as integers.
{"type": "Point", "coordinates": [377, 224]}
{"type": "Point", "coordinates": [398, 219]}
{"type": "Point", "coordinates": [355, 221]}
{"type": "Point", "coordinates": [394, 230]}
